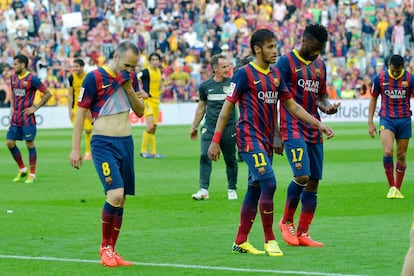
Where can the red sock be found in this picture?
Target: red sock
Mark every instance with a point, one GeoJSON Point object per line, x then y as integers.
{"type": "Point", "coordinates": [388, 163]}
{"type": "Point", "coordinates": [399, 172]}
{"type": "Point", "coordinates": [108, 218]}
{"type": "Point", "coordinates": [309, 203]}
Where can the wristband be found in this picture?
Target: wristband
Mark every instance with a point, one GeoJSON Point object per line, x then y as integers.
{"type": "Point", "coordinates": [194, 127]}
{"type": "Point", "coordinates": [217, 137]}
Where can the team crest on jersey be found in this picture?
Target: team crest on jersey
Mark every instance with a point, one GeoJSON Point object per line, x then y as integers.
{"type": "Point", "coordinates": [108, 180]}
{"type": "Point", "coordinates": [298, 166]}
{"type": "Point", "coordinates": [82, 90]}
{"type": "Point", "coordinates": [231, 89]}
{"type": "Point", "coordinates": [261, 170]}
{"type": "Point", "coordinates": [276, 81]}
{"type": "Point", "coordinates": [318, 72]}
{"type": "Point", "coordinates": [405, 84]}
{"type": "Point", "coordinates": [25, 83]}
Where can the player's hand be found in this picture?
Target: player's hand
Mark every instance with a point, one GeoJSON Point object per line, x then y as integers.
{"type": "Point", "coordinates": [193, 133]}
{"type": "Point", "coordinates": [278, 145]}
{"type": "Point", "coordinates": [332, 109]}
{"type": "Point", "coordinates": [214, 151]}
{"type": "Point", "coordinates": [75, 159]}
{"type": "Point", "coordinates": [372, 130]}
{"type": "Point", "coordinates": [327, 131]}
{"type": "Point", "coordinates": [29, 111]}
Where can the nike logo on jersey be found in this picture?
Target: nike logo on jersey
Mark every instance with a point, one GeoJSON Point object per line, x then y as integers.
{"type": "Point", "coordinates": [210, 90]}
{"type": "Point", "coordinates": [385, 83]}
{"type": "Point", "coordinates": [233, 135]}
{"type": "Point", "coordinates": [257, 81]}
{"type": "Point", "coordinates": [105, 86]}
{"type": "Point", "coordinates": [298, 69]}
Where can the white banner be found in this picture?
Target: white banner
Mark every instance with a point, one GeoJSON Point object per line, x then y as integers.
{"type": "Point", "coordinates": [183, 114]}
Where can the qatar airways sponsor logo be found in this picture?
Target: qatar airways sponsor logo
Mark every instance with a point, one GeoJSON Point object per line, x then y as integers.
{"type": "Point", "coordinates": [396, 93]}
{"type": "Point", "coordinates": [269, 97]}
{"type": "Point", "coordinates": [309, 85]}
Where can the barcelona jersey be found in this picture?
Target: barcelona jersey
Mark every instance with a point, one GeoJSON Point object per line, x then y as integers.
{"type": "Point", "coordinates": [103, 94]}
{"type": "Point", "coordinates": [257, 92]}
{"type": "Point", "coordinates": [24, 90]}
{"type": "Point", "coordinates": [307, 83]}
{"type": "Point", "coordinates": [395, 94]}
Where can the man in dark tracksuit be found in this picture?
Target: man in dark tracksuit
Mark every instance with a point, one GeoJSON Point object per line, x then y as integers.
{"type": "Point", "coordinates": [212, 94]}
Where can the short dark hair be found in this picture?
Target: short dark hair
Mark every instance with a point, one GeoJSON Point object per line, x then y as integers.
{"type": "Point", "coordinates": [124, 46]}
{"type": "Point", "coordinates": [317, 32]}
{"type": "Point", "coordinates": [79, 61]}
{"type": "Point", "coordinates": [259, 37]}
{"type": "Point", "coordinates": [22, 59]}
{"type": "Point", "coordinates": [397, 61]}
{"type": "Point", "coordinates": [155, 54]}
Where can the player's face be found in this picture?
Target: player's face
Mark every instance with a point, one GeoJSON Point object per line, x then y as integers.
{"type": "Point", "coordinates": [222, 70]}
{"type": "Point", "coordinates": [311, 48]}
{"type": "Point", "coordinates": [395, 71]}
{"type": "Point", "coordinates": [127, 62]}
{"type": "Point", "coordinates": [18, 67]}
{"type": "Point", "coordinates": [268, 51]}
{"type": "Point", "coordinates": [154, 62]}
{"type": "Point", "coordinates": [77, 69]}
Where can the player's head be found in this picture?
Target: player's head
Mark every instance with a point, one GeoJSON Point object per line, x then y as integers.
{"type": "Point", "coordinates": [154, 60]}
{"type": "Point", "coordinates": [78, 65]}
{"type": "Point", "coordinates": [220, 66]}
{"type": "Point", "coordinates": [125, 57]}
{"type": "Point", "coordinates": [20, 63]}
{"type": "Point", "coordinates": [396, 65]}
{"type": "Point", "coordinates": [263, 46]}
{"type": "Point", "coordinates": [313, 42]}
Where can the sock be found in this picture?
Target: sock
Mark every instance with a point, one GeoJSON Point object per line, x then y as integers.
{"type": "Point", "coordinates": [88, 137]}
{"type": "Point", "coordinates": [32, 160]}
{"type": "Point", "coordinates": [292, 201]}
{"type": "Point", "coordinates": [268, 188]}
{"type": "Point", "coordinates": [17, 156]}
{"type": "Point", "coordinates": [117, 225]}
{"type": "Point", "coordinates": [399, 172]}
{"type": "Point", "coordinates": [109, 213]}
{"type": "Point", "coordinates": [248, 212]}
{"type": "Point", "coordinates": [309, 202]}
{"type": "Point", "coordinates": [145, 141]}
{"type": "Point", "coordinates": [152, 143]}
{"type": "Point", "coordinates": [389, 169]}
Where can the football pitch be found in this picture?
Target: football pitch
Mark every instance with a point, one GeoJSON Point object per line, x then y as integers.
{"type": "Point", "coordinates": [52, 227]}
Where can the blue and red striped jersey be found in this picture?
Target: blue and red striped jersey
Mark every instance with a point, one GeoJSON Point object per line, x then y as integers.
{"type": "Point", "coordinates": [103, 94]}
{"type": "Point", "coordinates": [307, 82]}
{"type": "Point", "coordinates": [24, 90]}
{"type": "Point", "coordinates": [395, 94]}
{"type": "Point", "coordinates": [257, 92]}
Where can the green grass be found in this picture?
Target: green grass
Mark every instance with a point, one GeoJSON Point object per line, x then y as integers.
{"type": "Point", "coordinates": [55, 225]}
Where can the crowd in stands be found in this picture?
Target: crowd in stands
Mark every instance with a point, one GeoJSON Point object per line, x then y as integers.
{"type": "Point", "coordinates": [362, 36]}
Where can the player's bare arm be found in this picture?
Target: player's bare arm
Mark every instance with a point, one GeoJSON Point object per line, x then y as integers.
{"type": "Point", "coordinates": [75, 157]}
{"type": "Point", "coordinates": [371, 110]}
{"type": "Point", "coordinates": [31, 110]}
{"type": "Point", "coordinates": [214, 149]}
{"type": "Point", "coordinates": [199, 114]}
{"type": "Point", "coordinates": [136, 102]}
{"type": "Point", "coordinates": [302, 114]}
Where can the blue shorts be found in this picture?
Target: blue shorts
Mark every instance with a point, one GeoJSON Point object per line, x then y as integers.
{"type": "Point", "coordinates": [260, 165]}
{"type": "Point", "coordinates": [27, 133]}
{"type": "Point", "coordinates": [304, 158]}
{"type": "Point", "coordinates": [114, 162]}
{"type": "Point", "coordinates": [400, 127]}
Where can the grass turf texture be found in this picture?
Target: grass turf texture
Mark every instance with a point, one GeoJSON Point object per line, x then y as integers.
{"type": "Point", "coordinates": [165, 232]}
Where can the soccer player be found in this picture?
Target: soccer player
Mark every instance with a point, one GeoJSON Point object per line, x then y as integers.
{"type": "Point", "coordinates": [75, 84]}
{"type": "Point", "coordinates": [212, 94]}
{"type": "Point", "coordinates": [109, 93]}
{"type": "Point", "coordinates": [151, 79]}
{"type": "Point", "coordinates": [305, 76]}
{"type": "Point", "coordinates": [257, 87]}
{"type": "Point", "coordinates": [24, 85]}
{"type": "Point", "coordinates": [408, 266]}
{"type": "Point", "coordinates": [396, 87]}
